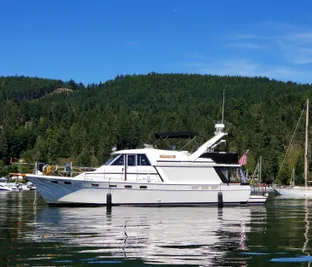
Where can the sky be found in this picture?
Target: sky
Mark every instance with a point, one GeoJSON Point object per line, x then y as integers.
{"type": "Point", "coordinates": [96, 40]}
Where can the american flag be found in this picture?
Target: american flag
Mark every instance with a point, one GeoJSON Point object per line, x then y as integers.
{"type": "Point", "coordinates": [243, 160]}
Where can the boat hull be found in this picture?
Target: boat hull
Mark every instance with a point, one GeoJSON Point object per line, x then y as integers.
{"type": "Point", "coordinates": [5, 188]}
{"type": "Point", "coordinates": [296, 192]}
{"type": "Point", "coordinates": [78, 192]}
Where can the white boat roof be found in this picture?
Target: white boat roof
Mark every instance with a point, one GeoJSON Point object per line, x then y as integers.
{"type": "Point", "coordinates": [155, 154]}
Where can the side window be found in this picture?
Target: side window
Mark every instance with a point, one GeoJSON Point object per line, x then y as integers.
{"type": "Point", "coordinates": [143, 160]}
{"type": "Point", "coordinates": [119, 161]}
{"type": "Point", "coordinates": [131, 160]}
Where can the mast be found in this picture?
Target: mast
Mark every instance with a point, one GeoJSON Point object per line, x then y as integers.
{"type": "Point", "coordinates": [260, 169]}
{"type": "Point", "coordinates": [306, 146]}
{"type": "Point", "coordinates": [222, 119]}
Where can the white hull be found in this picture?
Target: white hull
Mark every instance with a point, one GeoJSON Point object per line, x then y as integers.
{"type": "Point", "coordinates": [296, 192]}
{"type": "Point", "coordinates": [5, 188]}
{"type": "Point", "coordinates": [71, 191]}
{"type": "Point", "coordinates": [257, 200]}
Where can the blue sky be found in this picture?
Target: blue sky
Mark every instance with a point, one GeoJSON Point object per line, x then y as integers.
{"type": "Point", "coordinates": [93, 41]}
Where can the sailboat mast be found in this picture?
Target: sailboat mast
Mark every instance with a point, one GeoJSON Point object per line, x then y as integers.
{"type": "Point", "coordinates": [306, 146]}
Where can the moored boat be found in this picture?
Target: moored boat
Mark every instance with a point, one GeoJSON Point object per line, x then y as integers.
{"type": "Point", "coordinates": [293, 191]}
{"type": "Point", "coordinates": [5, 188]}
{"type": "Point", "coordinates": [156, 177]}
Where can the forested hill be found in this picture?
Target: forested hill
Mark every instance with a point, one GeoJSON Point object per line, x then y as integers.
{"type": "Point", "coordinates": [82, 126]}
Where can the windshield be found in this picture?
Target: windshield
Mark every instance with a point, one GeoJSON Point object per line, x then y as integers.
{"type": "Point", "coordinates": [111, 160]}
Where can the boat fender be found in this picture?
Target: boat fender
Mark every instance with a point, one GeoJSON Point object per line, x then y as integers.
{"type": "Point", "coordinates": [220, 200]}
{"type": "Point", "coordinates": [109, 200]}
{"type": "Point", "coordinates": [148, 178]}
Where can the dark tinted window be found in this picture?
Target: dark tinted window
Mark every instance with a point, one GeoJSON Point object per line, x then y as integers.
{"type": "Point", "coordinates": [131, 160]}
{"type": "Point", "coordinates": [143, 160]}
{"type": "Point", "coordinates": [119, 161]}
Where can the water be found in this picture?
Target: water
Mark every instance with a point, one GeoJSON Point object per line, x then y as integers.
{"type": "Point", "coordinates": [32, 234]}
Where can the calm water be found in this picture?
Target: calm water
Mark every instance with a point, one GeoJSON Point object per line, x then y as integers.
{"type": "Point", "coordinates": [32, 234]}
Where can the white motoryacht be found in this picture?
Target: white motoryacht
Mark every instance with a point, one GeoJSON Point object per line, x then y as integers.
{"type": "Point", "coordinates": [159, 177]}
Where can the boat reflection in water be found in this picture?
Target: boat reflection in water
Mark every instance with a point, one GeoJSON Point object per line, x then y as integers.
{"type": "Point", "coordinates": [193, 236]}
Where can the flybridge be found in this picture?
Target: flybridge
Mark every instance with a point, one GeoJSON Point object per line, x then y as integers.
{"type": "Point", "coordinates": [208, 146]}
{"type": "Point", "coordinates": [180, 134]}
{"type": "Point", "coordinates": [164, 136]}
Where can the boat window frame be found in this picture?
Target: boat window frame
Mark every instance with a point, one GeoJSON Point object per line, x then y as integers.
{"type": "Point", "coordinates": [139, 160]}
{"type": "Point", "coordinates": [229, 179]}
{"type": "Point", "coordinates": [108, 162]}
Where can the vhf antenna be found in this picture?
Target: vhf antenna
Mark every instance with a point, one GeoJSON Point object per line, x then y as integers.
{"type": "Point", "coordinates": [223, 108]}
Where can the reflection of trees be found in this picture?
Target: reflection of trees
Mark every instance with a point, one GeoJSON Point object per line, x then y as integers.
{"type": "Point", "coordinates": [16, 210]}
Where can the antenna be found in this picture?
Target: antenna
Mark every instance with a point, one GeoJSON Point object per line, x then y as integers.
{"type": "Point", "coordinates": [220, 126]}
{"type": "Point", "coordinates": [222, 119]}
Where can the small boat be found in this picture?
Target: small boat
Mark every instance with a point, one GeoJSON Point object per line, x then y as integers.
{"type": "Point", "coordinates": [3, 180]}
{"type": "Point", "coordinates": [14, 186]}
{"type": "Point", "coordinates": [4, 187]}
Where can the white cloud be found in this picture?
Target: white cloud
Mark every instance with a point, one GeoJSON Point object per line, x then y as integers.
{"type": "Point", "coordinates": [296, 54]}
{"type": "Point", "coordinates": [240, 67]}
{"type": "Point", "coordinates": [279, 51]}
{"type": "Point", "coordinates": [289, 41]}
{"type": "Point", "coordinates": [300, 37]}
{"type": "Point", "coordinates": [245, 45]}
{"type": "Point", "coordinates": [248, 68]}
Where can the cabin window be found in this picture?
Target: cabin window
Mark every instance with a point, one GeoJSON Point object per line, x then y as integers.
{"type": "Point", "coordinates": [131, 160]}
{"type": "Point", "coordinates": [119, 160]}
{"type": "Point", "coordinates": [143, 160]}
{"type": "Point", "coordinates": [232, 175]}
